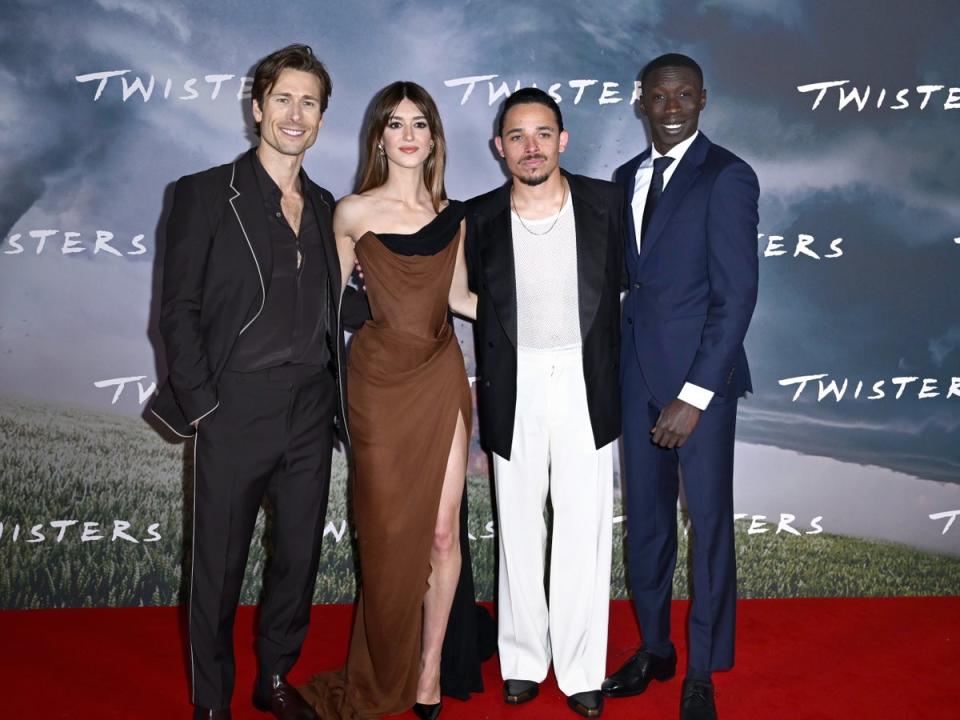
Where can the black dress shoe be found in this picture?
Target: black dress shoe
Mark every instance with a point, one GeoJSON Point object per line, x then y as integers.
{"type": "Point", "coordinates": [696, 703]}
{"type": "Point", "coordinates": [202, 713]}
{"type": "Point", "coordinates": [589, 703]}
{"type": "Point", "coordinates": [427, 712]}
{"type": "Point", "coordinates": [284, 702]}
{"type": "Point", "coordinates": [638, 672]}
{"type": "Point", "coordinates": [516, 692]}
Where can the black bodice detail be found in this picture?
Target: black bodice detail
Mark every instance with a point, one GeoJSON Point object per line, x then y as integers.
{"type": "Point", "coordinates": [432, 237]}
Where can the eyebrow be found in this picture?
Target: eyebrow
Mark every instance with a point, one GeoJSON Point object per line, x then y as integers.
{"type": "Point", "coordinates": [678, 86]}
{"type": "Point", "coordinates": [552, 128]}
{"type": "Point", "coordinates": [290, 95]}
{"type": "Point", "coordinates": [415, 117]}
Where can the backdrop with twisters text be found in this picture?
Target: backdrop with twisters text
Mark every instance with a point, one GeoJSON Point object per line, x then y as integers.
{"type": "Point", "coordinates": [847, 466]}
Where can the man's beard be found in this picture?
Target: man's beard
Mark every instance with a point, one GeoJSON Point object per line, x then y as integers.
{"type": "Point", "coordinates": [532, 181]}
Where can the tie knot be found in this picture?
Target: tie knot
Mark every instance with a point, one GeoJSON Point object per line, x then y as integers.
{"type": "Point", "coordinates": [661, 164]}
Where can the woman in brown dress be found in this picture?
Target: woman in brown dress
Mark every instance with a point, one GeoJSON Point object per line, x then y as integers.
{"type": "Point", "coordinates": [409, 413]}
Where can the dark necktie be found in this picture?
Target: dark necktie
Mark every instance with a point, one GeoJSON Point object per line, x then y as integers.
{"type": "Point", "coordinates": [653, 194]}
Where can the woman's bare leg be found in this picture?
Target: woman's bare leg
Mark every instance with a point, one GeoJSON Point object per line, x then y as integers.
{"type": "Point", "coordinates": [445, 568]}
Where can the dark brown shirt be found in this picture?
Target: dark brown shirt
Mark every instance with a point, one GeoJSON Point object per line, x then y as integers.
{"type": "Point", "coordinates": [292, 327]}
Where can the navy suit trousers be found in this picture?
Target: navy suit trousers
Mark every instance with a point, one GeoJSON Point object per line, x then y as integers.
{"type": "Point", "coordinates": [651, 489]}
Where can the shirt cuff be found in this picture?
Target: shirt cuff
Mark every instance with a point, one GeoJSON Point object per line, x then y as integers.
{"type": "Point", "coordinates": [695, 395]}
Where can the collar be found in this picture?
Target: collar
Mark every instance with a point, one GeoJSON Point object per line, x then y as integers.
{"type": "Point", "coordinates": [269, 189]}
{"type": "Point", "coordinates": [676, 152]}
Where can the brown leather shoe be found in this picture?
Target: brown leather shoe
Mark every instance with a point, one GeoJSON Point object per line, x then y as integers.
{"type": "Point", "coordinates": [202, 713]}
{"type": "Point", "coordinates": [284, 703]}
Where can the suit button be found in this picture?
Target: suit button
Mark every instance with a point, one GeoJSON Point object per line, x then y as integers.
{"type": "Point", "coordinates": [490, 343]}
{"type": "Point", "coordinates": [629, 321]}
{"type": "Point", "coordinates": [636, 285]}
{"type": "Point", "coordinates": [486, 383]}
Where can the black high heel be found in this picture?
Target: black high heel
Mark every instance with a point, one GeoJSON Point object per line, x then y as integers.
{"type": "Point", "coordinates": [427, 712]}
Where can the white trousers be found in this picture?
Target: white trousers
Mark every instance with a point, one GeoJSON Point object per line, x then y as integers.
{"type": "Point", "coordinates": [553, 451]}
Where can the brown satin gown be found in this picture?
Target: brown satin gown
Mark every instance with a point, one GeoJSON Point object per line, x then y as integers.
{"type": "Point", "coordinates": [407, 385]}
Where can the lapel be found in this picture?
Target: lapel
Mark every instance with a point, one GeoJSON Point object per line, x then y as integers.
{"type": "Point", "coordinates": [324, 214]}
{"type": "Point", "coordinates": [247, 204]}
{"type": "Point", "coordinates": [499, 270]}
{"type": "Point", "coordinates": [628, 179]}
{"type": "Point", "coordinates": [687, 171]}
{"type": "Point", "coordinates": [590, 221]}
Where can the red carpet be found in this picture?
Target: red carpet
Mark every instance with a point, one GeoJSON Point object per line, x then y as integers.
{"type": "Point", "coordinates": [797, 660]}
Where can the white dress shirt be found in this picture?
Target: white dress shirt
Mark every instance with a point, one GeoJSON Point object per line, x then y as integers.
{"type": "Point", "coordinates": [693, 394]}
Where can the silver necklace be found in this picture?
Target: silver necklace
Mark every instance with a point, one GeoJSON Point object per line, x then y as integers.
{"type": "Point", "coordinates": [563, 201]}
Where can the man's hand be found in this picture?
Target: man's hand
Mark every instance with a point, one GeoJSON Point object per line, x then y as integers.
{"type": "Point", "coordinates": [359, 270]}
{"type": "Point", "coordinates": [677, 420]}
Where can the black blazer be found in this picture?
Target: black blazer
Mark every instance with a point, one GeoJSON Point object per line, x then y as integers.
{"type": "Point", "coordinates": [217, 265]}
{"type": "Point", "coordinates": [598, 217]}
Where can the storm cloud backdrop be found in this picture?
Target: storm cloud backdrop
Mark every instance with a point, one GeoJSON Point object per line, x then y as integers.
{"type": "Point", "coordinates": [93, 153]}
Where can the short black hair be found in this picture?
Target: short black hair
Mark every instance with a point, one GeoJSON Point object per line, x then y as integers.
{"type": "Point", "coordinates": [525, 96]}
{"type": "Point", "coordinates": [670, 60]}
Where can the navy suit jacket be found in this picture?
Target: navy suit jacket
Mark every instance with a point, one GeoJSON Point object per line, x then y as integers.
{"type": "Point", "coordinates": [693, 283]}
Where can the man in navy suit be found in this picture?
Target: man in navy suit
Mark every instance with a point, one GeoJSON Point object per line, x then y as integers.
{"type": "Point", "coordinates": [691, 255]}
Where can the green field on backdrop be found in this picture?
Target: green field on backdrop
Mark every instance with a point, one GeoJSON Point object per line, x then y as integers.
{"type": "Point", "coordinates": [61, 464]}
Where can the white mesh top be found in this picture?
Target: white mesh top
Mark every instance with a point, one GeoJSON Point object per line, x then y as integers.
{"type": "Point", "coordinates": [548, 310]}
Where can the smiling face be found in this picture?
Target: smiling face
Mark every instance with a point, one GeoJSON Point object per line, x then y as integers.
{"type": "Point", "coordinates": [290, 116]}
{"type": "Point", "coordinates": [672, 101]}
{"type": "Point", "coordinates": [531, 142]}
{"type": "Point", "coordinates": [407, 138]}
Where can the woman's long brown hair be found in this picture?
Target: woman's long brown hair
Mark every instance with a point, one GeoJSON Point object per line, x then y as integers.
{"type": "Point", "coordinates": [375, 171]}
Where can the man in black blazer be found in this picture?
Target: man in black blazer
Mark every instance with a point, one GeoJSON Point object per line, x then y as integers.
{"type": "Point", "coordinates": [691, 214]}
{"type": "Point", "coordinates": [545, 255]}
{"type": "Point", "coordinates": [249, 314]}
